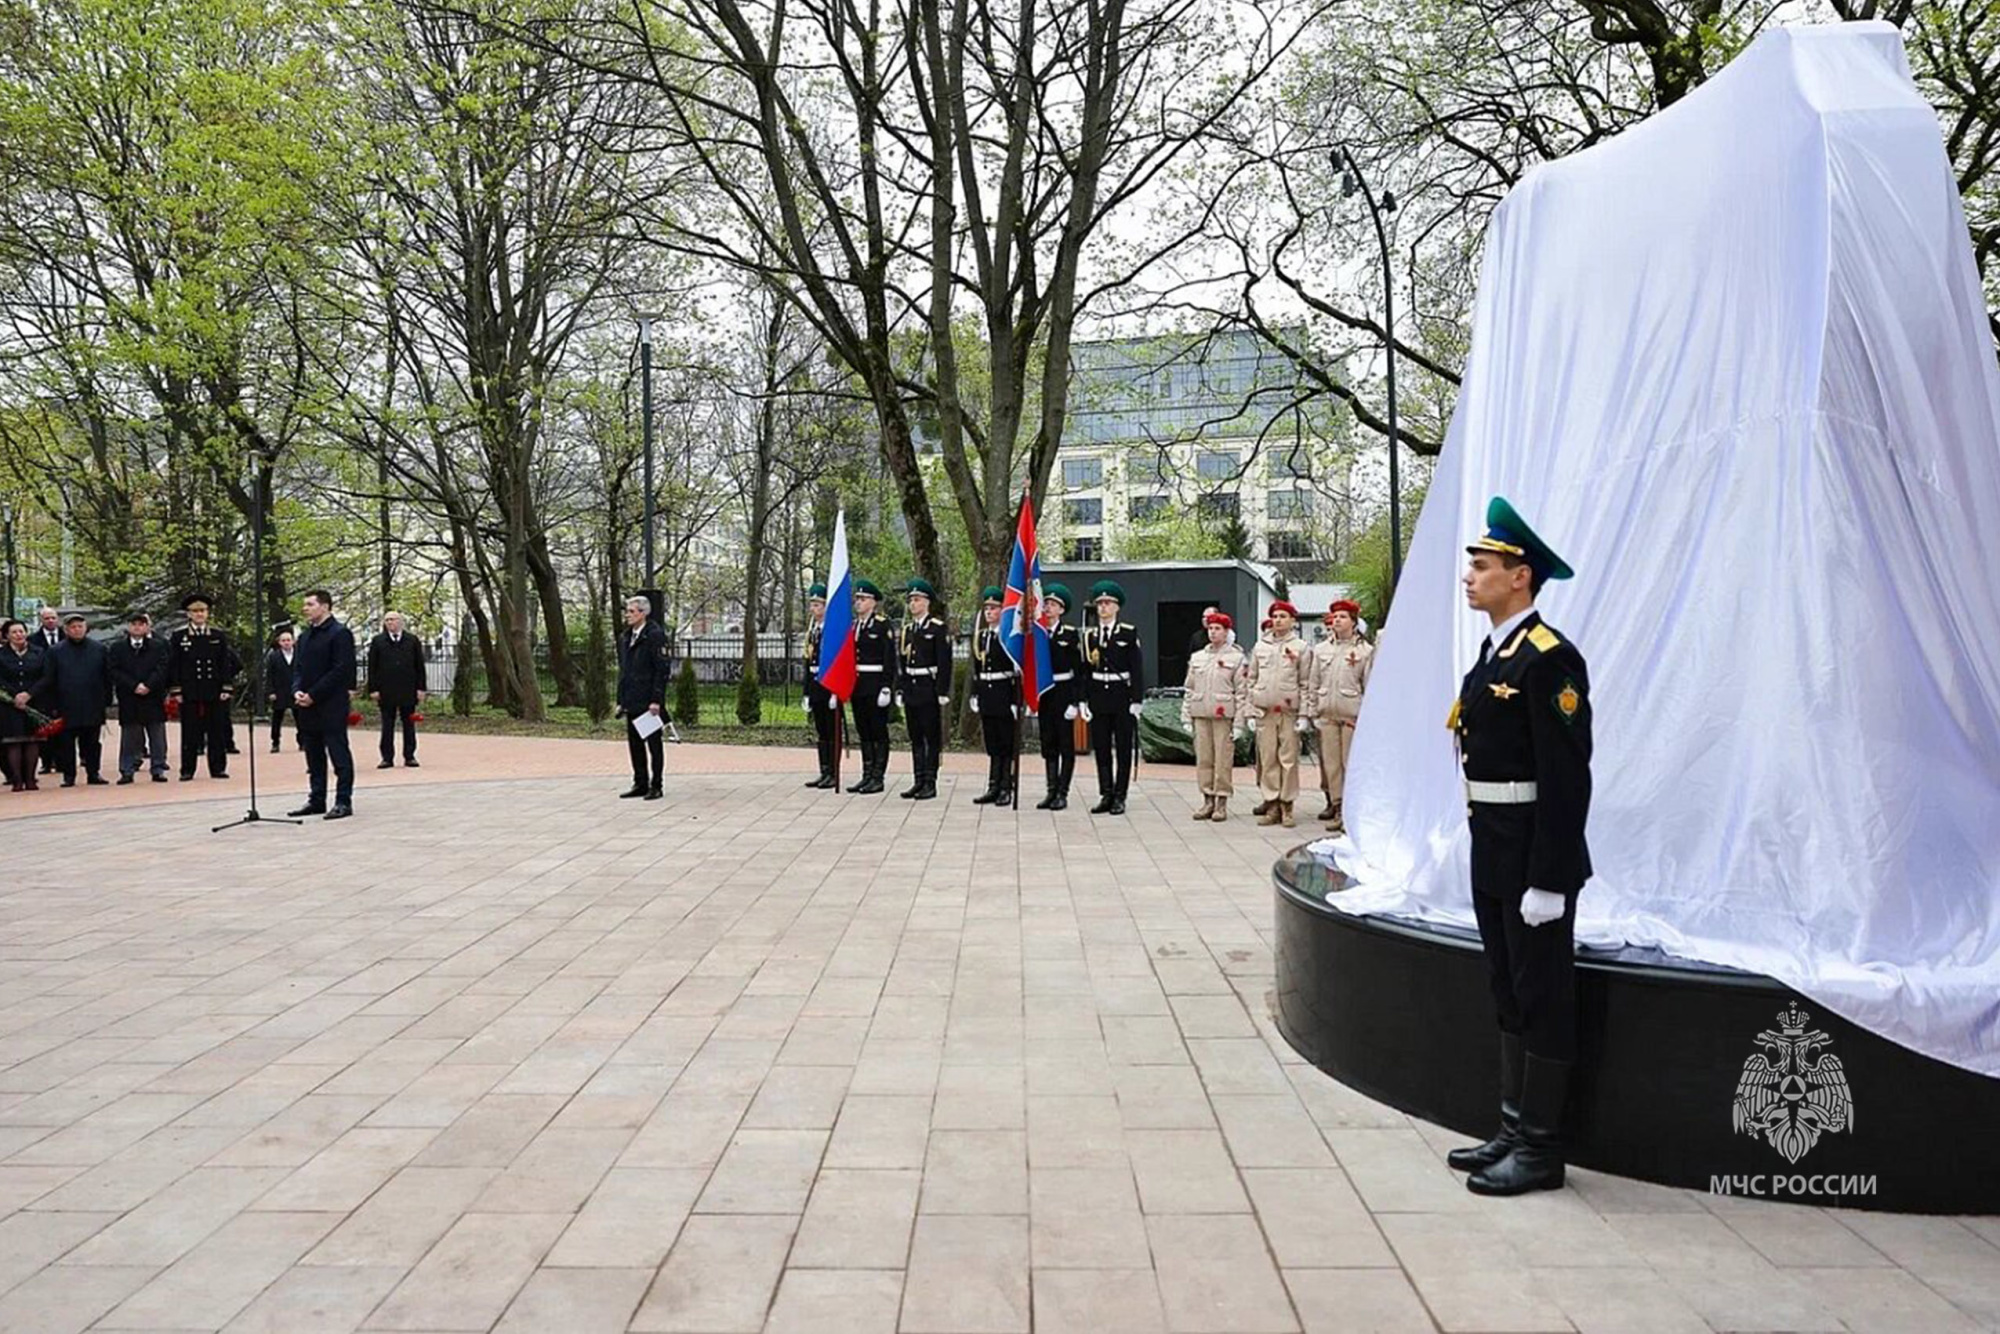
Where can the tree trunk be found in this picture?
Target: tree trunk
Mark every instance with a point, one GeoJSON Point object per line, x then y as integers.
{"type": "Point", "coordinates": [548, 591]}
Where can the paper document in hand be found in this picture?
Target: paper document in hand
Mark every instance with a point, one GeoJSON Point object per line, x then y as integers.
{"type": "Point", "coordinates": [646, 724]}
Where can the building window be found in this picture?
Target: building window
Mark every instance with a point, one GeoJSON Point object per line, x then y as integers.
{"type": "Point", "coordinates": [1221, 505]}
{"type": "Point", "coordinates": [1216, 465]}
{"type": "Point", "coordinates": [1081, 473]}
{"type": "Point", "coordinates": [1147, 467]}
{"type": "Point", "coordinates": [1288, 504]}
{"type": "Point", "coordinates": [1083, 512]}
{"type": "Point", "coordinates": [1148, 507]}
{"type": "Point", "coordinates": [1289, 546]}
{"type": "Point", "coordinates": [1293, 461]}
{"type": "Point", "coordinates": [1084, 549]}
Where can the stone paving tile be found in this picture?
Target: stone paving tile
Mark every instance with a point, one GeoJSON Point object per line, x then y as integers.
{"type": "Point", "coordinates": [525, 1058]}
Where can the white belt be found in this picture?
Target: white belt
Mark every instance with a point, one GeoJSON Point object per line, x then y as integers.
{"type": "Point", "coordinates": [869, 667]}
{"type": "Point", "coordinates": [1111, 676]}
{"type": "Point", "coordinates": [996, 676]}
{"type": "Point", "coordinates": [918, 671]}
{"type": "Point", "coordinates": [1062, 676]}
{"type": "Point", "coordinates": [1499, 794]}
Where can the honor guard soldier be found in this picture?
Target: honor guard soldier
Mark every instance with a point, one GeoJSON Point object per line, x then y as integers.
{"type": "Point", "coordinates": [1341, 663]}
{"type": "Point", "coordinates": [874, 685]}
{"type": "Point", "coordinates": [996, 685]}
{"type": "Point", "coordinates": [1060, 703]}
{"type": "Point", "coordinates": [822, 709]}
{"type": "Point", "coordinates": [1115, 694]}
{"type": "Point", "coordinates": [1522, 724]}
{"type": "Point", "coordinates": [923, 683]}
{"type": "Point", "coordinates": [1277, 677]}
{"type": "Point", "coordinates": [1215, 704]}
{"type": "Point", "coordinates": [201, 668]}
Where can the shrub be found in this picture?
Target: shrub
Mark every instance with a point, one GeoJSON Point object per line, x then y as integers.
{"type": "Point", "coordinates": [749, 701]}
{"type": "Point", "coordinates": [687, 696]}
{"type": "Point", "coordinates": [596, 667]}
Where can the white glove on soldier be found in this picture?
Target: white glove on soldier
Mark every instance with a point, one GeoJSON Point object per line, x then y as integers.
{"type": "Point", "coordinates": [944, 702]}
{"type": "Point", "coordinates": [1539, 907]}
{"type": "Point", "coordinates": [1017, 709]}
{"type": "Point", "coordinates": [975, 704]}
{"type": "Point", "coordinates": [1069, 714]}
{"type": "Point", "coordinates": [1138, 709]}
{"type": "Point", "coordinates": [1085, 710]}
{"type": "Point", "coordinates": [882, 700]}
{"type": "Point", "coordinates": [1305, 725]}
{"type": "Point", "coordinates": [805, 703]}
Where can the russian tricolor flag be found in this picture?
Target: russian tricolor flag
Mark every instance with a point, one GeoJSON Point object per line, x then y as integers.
{"type": "Point", "coordinates": [1022, 633]}
{"type": "Point", "coordinates": [836, 643]}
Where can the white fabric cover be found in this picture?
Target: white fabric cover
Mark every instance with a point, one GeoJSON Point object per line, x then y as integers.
{"type": "Point", "coordinates": [1734, 366]}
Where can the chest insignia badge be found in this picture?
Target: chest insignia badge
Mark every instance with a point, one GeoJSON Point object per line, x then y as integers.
{"type": "Point", "coordinates": [1501, 690]}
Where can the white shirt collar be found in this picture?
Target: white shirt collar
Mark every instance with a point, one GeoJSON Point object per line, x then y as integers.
{"type": "Point", "coordinates": [1499, 634]}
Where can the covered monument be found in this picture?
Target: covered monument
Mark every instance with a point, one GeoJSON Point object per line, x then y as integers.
{"type": "Point", "coordinates": [1735, 365]}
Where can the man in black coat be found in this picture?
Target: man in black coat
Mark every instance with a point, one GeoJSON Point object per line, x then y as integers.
{"type": "Point", "coordinates": [138, 665]}
{"type": "Point", "coordinates": [82, 697]}
{"type": "Point", "coordinates": [396, 683]}
{"type": "Point", "coordinates": [202, 668]}
{"type": "Point", "coordinates": [1522, 723]}
{"type": "Point", "coordinates": [278, 683]}
{"type": "Point", "coordinates": [322, 681]}
{"type": "Point", "coordinates": [642, 693]}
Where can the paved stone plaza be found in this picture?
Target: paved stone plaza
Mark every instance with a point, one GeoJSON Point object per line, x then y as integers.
{"type": "Point", "coordinates": [513, 1055]}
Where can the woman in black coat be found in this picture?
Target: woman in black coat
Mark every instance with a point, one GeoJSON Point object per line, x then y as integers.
{"type": "Point", "coordinates": [24, 677]}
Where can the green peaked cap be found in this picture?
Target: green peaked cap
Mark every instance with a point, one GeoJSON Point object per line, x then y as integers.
{"type": "Point", "coordinates": [1507, 532]}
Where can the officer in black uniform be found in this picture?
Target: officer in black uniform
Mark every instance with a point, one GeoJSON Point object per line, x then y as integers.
{"type": "Point", "coordinates": [923, 686]}
{"type": "Point", "coordinates": [1117, 666]}
{"type": "Point", "coordinates": [1522, 723]}
{"type": "Point", "coordinates": [201, 668]}
{"type": "Point", "coordinates": [874, 686]}
{"type": "Point", "coordinates": [820, 705]}
{"type": "Point", "coordinates": [996, 698]}
{"type": "Point", "coordinates": [1060, 702]}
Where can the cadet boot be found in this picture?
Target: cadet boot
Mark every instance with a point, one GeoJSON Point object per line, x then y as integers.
{"type": "Point", "coordinates": [1054, 772]}
{"type": "Point", "coordinates": [1285, 815]}
{"type": "Point", "coordinates": [1117, 806]}
{"type": "Point", "coordinates": [654, 793]}
{"type": "Point", "coordinates": [1005, 796]}
{"type": "Point", "coordinates": [1493, 1150]}
{"type": "Point", "coordinates": [1207, 808]}
{"type": "Point", "coordinates": [1104, 804]}
{"type": "Point", "coordinates": [636, 790]}
{"type": "Point", "coordinates": [1536, 1163]}
{"type": "Point", "coordinates": [1260, 808]}
{"type": "Point", "coordinates": [1268, 812]}
{"type": "Point", "coordinates": [1334, 821]}
{"type": "Point", "coordinates": [1221, 810]}
{"type": "Point", "coordinates": [1328, 811]}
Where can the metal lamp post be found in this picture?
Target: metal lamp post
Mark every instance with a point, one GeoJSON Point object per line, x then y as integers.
{"type": "Point", "coordinates": [1352, 182]}
{"type": "Point", "coordinates": [646, 432]}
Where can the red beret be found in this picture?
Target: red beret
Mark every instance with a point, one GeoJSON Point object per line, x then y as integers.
{"type": "Point", "coordinates": [1286, 608]}
{"type": "Point", "coordinates": [1351, 608]}
{"type": "Point", "coordinates": [1220, 618]}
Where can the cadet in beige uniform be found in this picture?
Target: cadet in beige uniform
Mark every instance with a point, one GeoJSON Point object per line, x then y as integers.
{"type": "Point", "coordinates": [1277, 681]}
{"type": "Point", "coordinates": [1214, 703]}
{"type": "Point", "coordinates": [1340, 666]}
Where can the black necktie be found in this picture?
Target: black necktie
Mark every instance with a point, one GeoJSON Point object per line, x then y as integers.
{"type": "Point", "coordinates": [1486, 648]}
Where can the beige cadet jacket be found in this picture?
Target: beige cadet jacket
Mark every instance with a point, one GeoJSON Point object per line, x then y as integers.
{"type": "Point", "coordinates": [1340, 677]}
{"type": "Point", "coordinates": [1215, 684]}
{"type": "Point", "coordinates": [1279, 671]}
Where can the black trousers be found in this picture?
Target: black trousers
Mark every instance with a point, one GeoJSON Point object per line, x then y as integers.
{"type": "Point", "coordinates": [1114, 735]}
{"type": "Point", "coordinates": [390, 713]}
{"type": "Point", "coordinates": [205, 727]}
{"type": "Point", "coordinates": [1057, 747]}
{"type": "Point", "coordinates": [1532, 970]}
{"type": "Point", "coordinates": [645, 751]}
{"type": "Point", "coordinates": [926, 722]}
{"type": "Point", "coordinates": [323, 747]}
{"type": "Point", "coordinates": [87, 741]}
{"type": "Point", "coordinates": [871, 723]}
{"type": "Point", "coordinates": [278, 712]}
{"type": "Point", "coordinates": [825, 712]}
{"type": "Point", "coordinates": [996, 730]}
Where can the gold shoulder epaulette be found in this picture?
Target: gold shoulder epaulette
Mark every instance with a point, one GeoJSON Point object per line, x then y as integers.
{"type": "Point", "coordinates": [1543, 638]}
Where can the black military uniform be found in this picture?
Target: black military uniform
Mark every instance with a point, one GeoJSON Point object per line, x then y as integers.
{"type": "Point", "coordinates": [923, 688]}
{"type": "Point", "coordinates": [820, 705]}
{"type": "Point", "coordinates": [642, 683]}
{"type": "Point", "coordinates": [201, 667]}
{"type": "Point", "coordinates": [1522, 723]}
{"type": "Point", "coordinates": [874, 686]}
{"type": "Point", "coordinates": [1058, 704]}
{"type": "Point", "coordinates": [996, 696]}
{"type": "Point", "coordinates": [1117, 666]}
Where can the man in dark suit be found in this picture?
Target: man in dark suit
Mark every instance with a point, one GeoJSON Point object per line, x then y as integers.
{"type": "Point", "coordinates": [47, 637]}
{"type": "Point", "coordinates": [642, 693]}
{"type": "Point", "coordinates": [83, 697]}
{"type": "Point", "coordinates": [396, 683]}
{"type": "Point", "coordinates": [322, 680]}
{"type": "Point", "coordinates": [278, 683]}
{"type": "Point", "coordinates": [202, 668]}
{"type": "Point", "coordinates": [1522, 721]}
{"type": "Point", "coordinates": [138, 664]}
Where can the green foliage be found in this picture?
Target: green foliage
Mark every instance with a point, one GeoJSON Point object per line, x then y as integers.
{"type": "Point", "coordinates": [749, 702]}
{"type": "Point", "coordinates": [1177, 533]}
{"type": "Point", "coordinates": [687, 696]}
{"type": "Point", "coordinates": [596, 665]}
{"type": "Point", "coordinates": [1367, 570]}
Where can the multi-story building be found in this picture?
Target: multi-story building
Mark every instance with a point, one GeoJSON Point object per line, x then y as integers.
{"type": "Point", "coordinates": [1181, 446]}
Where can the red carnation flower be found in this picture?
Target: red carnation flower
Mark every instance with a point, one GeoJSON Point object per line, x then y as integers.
{"type": "Point", "coordinates": [416, 718]}
{"type": "Point", "coordinates": [48, 730]}
{"type": "Point", "coordinates": [354, 720]}
{"type": "Point", "coordinates": [173, 707]}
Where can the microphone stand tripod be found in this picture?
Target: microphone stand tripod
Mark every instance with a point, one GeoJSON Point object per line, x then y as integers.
{"type": "Point", "coordinates": [252, 816]}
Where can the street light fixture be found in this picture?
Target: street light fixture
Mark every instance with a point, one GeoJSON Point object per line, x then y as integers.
{"type": "Point", "coordinates": [1352, 182]}
{"type": "Point", "coordinates": [646, 432]}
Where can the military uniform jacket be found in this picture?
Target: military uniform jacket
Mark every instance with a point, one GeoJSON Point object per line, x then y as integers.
{"type": "Point", "coordinates": [1065, 671]}
{"type": "Point", "coordinates": [201, 664]}
{"type": "Point", "coordinates": [1338, 678]}
{"type": "Point", "coordinates": [1217, 684]}
{"type": "Point", "coordinates": [1116, 665]}
{"type": "Point", "coordinates": [1278, 673]}
{"type": "Point", "coordinates": [818, 695]}
{"type": "Point", "coordinates": [874, 660]}
{"type": "Point", "coordinates": [1523, 715]}
{"type": "Point", "coordinates": [642, 669]}
{"type": "Point", "coordinates": [994, 675]}
{"type": "Point", "coordinates": [923, 660]}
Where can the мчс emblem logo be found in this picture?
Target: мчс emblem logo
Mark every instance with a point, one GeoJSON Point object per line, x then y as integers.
{"type": "Point", "coordinates": [1792, 1091]}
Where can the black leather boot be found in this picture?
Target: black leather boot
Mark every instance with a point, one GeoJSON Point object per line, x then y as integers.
{"type": "Point", "coordinates": [1054, 771]}
{"type": "Point", "coordinates": [1536, 1163]}
{"type": "Point", "coordinates": [1493, 1150]}
{"type": "Point", "coordinates": [992, 792]}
